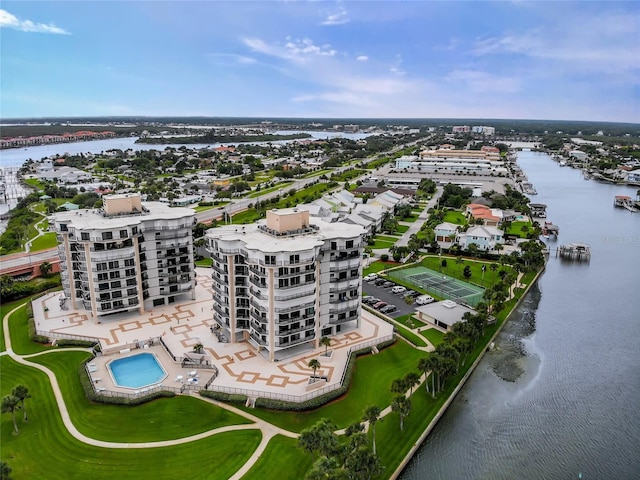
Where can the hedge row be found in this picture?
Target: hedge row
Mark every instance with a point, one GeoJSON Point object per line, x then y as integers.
{"type": "Point", "coordinates": [18, 290]}
{"type": "Point", "coordinates": [75, 343]}
{"type": "Point", "coordinates": [85, 380]}
{"type": "Point", "coordinates": [224, 397]}
{"type": "Point", "coordinates": [321, 400]}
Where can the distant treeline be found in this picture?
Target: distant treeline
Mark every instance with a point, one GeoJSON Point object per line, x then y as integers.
{"type": "Point", "coordinates": [210, 138]}
{"type": "Point", "coordinates": [157, 124]}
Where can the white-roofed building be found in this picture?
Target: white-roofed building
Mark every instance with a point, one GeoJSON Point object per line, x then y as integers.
{"type": "Point", "coordinates": [444, 314]}
{"type": "Point", "coordinates": [285, 282]}
{"type": "Point", "coordinates": [485, 237]}
{"type": "Point", "coordinates": [126, 256]}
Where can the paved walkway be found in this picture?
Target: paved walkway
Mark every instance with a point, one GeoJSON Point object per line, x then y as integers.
{"type": "Point", "coordinates": [267, 430]}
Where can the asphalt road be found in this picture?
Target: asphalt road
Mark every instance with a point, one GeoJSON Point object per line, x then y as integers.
{"type": "Point", "coordinates": [385, 295]}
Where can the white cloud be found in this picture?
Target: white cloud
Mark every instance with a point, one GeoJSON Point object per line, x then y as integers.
{"type": "Point", "coordinates": [8, 20]}
{"type": "Point", "coordinates": [340, 98]}
{"type": "Point", "coordinates": [395, 68]}
{"type": "Point", "coordinates": [299, 50]}
{"type": "Point", "coordinates": [607, 43]}
{"type": "Point", "coordinates": [338, 18]}
{"type": "Point", "coordinates": [362, 58]}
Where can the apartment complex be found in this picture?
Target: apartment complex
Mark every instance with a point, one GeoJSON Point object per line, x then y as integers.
{"type": "Point", "coordinates": [126, 256]}
{"type": "Point", "coordinates": [286, 281]}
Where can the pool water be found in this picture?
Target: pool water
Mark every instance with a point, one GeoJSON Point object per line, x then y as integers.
{"type": "Point", "coordinates": [137, 371]}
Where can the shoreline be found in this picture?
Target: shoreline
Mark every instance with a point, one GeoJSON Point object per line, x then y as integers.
{"type": "Point", "coordinates": [405, 461]}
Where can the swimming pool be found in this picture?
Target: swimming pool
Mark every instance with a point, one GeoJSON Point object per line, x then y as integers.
{"type": "Point", "coordinates": [137, 371]}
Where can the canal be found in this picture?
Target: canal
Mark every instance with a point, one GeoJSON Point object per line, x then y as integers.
{"type": "Point", "coordinates": [560, 394]}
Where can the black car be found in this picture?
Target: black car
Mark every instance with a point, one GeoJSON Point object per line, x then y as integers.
{"type": "Point", "coordinates": [388, 309]}
{"type": "Point", "coordinates": [380, 281]}
{"type": "Point", "coordinates": [388, 284]}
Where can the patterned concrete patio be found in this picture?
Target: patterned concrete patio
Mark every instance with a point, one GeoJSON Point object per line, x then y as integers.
{"type": "Point", "coordinates": [241, 367]}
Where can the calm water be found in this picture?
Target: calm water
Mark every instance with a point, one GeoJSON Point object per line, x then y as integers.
{"type": "Point", "coordinates": [561, 394]}
{"type": "Point", "coordinates": [15, 157]}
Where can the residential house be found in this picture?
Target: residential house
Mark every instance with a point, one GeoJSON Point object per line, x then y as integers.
{"type": "Point", "coordinates": [446, 234]}
{"type": "Point", "coordinates": [485, 237]}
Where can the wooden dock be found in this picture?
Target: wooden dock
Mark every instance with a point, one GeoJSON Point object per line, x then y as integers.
{"type": "Point", "coordinates": [574, 251]}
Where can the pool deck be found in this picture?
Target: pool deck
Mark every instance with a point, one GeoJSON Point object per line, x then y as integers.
{"type": "Point", "coordinates": [182, 325]}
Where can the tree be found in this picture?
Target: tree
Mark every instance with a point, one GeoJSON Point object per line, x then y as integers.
{"type": "Point", "coordinates": [319, 438]}
{"type": "Point", "coordinates": [459, 261]}
{"type": "Point", "coordinates": [467, 271]}
{"type": "Point", "coordinates": [22, 393]}
{"type": "Point", "coordinates": [399, 386]}
{"type": "Point", "coordinates": [9, 405]}
{"type": "Point", "coordinates": [5, 471]}
{"type": "Point", "coordinates": [372, 415]}
{"type": "Point", "coordinates": [401, 405]}
{"type": "Point", "coordinates": [314, 364]}
{"type": "Point", "coordinates": [325, 342]}
{"type": "Point", "coordinates": [426, 365]}
{"type": "Point", "coordinates": [45, 269]}
{"type": "Point", "coordinates": [411, 379]}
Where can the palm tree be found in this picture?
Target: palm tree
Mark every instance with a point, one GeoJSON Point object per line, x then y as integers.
{"type": "Point", "coordinates": [424, 365]}
{"type": "Point", "coordinates": [5, 471]}
{"type": "Point", "coordinates": [314, 364]}
{"type": "Point", "coordinates": [399, 386]}
{"type": "Point", "coordinates": [402, 405]}
{"type": "Point", "coordinates": [9, 405]}
{"type": "Point", "coordinates": [21, 393]}
{"type": "Point", "coordinates": [372, 415]}
{"type": "Point", "coordinates": [411, 379]}
{"type": "Point", "coordinates": [459, 261]}
{"type": "Point", "coordinates": [325, 342]}
{"type": "Point", "coordinates": [45, 269]}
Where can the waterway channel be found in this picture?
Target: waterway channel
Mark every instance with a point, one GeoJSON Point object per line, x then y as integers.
{"type": "Point", "coordinates": [560, 394]}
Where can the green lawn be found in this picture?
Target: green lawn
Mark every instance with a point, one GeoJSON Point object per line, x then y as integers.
{"type": "Point", "coordinates": [377, 266]}
{"type": "Point", "coordinates": [381, 244]}
{"type": "Point", "coordinates": [386, 238]}
{"type": "Point", "coordinates": [455, 269]}
{"type": "Point", "coordinates": [44, 448]}
{"type": "Point", "coordinates": [409, 321]}
{"type": "Point", "coordinates": [143, 423]}
{"type": "Point", "coordinates": [456, 217]}
{"type": "Point", "coordinates": [516, 228]}
{"type": "Point", "coordinates": [4, 309]}
{"type": "Point", "coordinates": [316, 173]}
{"type": "Point", "coordinates": [204, 262]}
{"type": "Point", "coordinates": [402, 228]}
{"type": "Point", "coordinates": [370, 386]}
{"type": "Point", "coordinates": [19, 332]}
{"type": "Point", "coordinates": [203, 208]}
{"type": "Point", "coordinates": [44, 242]}
{"type": "Point", "coordinates": [282, 456]}
{"type": "Point", "coordinates": [434, 336]}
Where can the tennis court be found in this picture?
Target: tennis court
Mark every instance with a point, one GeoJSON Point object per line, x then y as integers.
{"type": "Point", "coordinates": [439, 284]}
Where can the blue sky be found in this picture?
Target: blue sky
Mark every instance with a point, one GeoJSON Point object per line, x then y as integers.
{"type": "Point", "coordinates": [417, 59]}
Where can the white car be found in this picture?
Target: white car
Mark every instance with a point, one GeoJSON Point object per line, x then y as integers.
{"type": "Point", "coordinates": [398, 289]}
{"type": "Point", "coordinates": [370, 277]}
{"type": "Point", "coordinates": [424, 299]}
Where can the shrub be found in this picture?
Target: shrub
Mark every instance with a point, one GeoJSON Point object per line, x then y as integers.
{"type": "Point", "coordinates": [31, 327]}
{"type": "Point", "coordinates": [384, 257]}
{"type": "Point", "coordinates": [75, 343]}
{"type": "Point", "coordinates": [224, 397]}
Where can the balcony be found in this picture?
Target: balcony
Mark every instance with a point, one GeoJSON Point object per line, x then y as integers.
{"type": "Point", "coordinates": [294, 308]}
{"type": "Point", "coordinates": [290, 331]}
{"type": "Point", "coordinates": [257, 339]}
{"type": "Point", "coordinates": [291, 343]}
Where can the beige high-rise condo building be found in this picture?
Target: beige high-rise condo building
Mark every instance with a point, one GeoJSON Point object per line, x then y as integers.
{"type": "Point", "coordinates": [283, 283]}
{"type": "Point", "coordinates": [126, 256]}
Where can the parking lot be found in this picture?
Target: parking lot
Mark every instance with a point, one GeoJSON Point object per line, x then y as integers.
{"type": "Point", "coordinates": [385, 295]}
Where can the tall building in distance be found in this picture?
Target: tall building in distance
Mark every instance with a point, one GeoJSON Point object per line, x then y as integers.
{"type": "Point", "coordinates": [283, 283]}
{"type": "Point", "coordinates": [126, 256]}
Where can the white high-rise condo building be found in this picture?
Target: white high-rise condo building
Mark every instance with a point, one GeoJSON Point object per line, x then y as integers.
{"type": "Point", "coordinates": [286, 282]}
{"type": "Point", "coordinates": [126, 256]}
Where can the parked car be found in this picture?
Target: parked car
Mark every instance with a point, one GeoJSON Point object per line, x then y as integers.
{"type": "Point", "coordinates": [380, 281]}
{"type": "Point", "coordinates": [424, 299]}
{"type": "Point", "coordinates": [398, 289]}
{"type": "Point", "coordinates": [379, 305]}
{"type": "Point", "coordinates": [388, 309]}
{"type": "Point", "coordinates": [370, 277]}
{"type": "Point", "coordinates": [413, 293]}
{"type": "Point", "coordinates": [369, 300]}
{"type": "Point", "coordinates": [388, 284]}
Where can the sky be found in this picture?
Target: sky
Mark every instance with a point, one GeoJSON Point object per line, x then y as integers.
{"type": "Point", "coordinates": [316, 59]}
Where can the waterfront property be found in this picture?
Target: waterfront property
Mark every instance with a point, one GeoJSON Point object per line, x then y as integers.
{"type": "Point", "coordinates": [283, 283]}
{"type": "Point", "coordinates": [443, 314]}
{"type": "Point", "coordinates": [126, 256]}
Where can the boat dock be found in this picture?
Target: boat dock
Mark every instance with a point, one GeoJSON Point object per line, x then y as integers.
{"type": "Point", "coordinates": [574, 251]}
{"type": "Point", "coordinates": [624, 201]}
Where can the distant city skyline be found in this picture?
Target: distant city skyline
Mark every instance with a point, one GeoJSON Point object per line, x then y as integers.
{"type": "Point", "coordinates": [349, 59]}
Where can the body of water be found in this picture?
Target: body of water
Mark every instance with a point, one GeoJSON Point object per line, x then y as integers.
{"type": "Point", "coordinates": [15, 157]}
{"type": "Point", "coordinates": [560, 394]}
